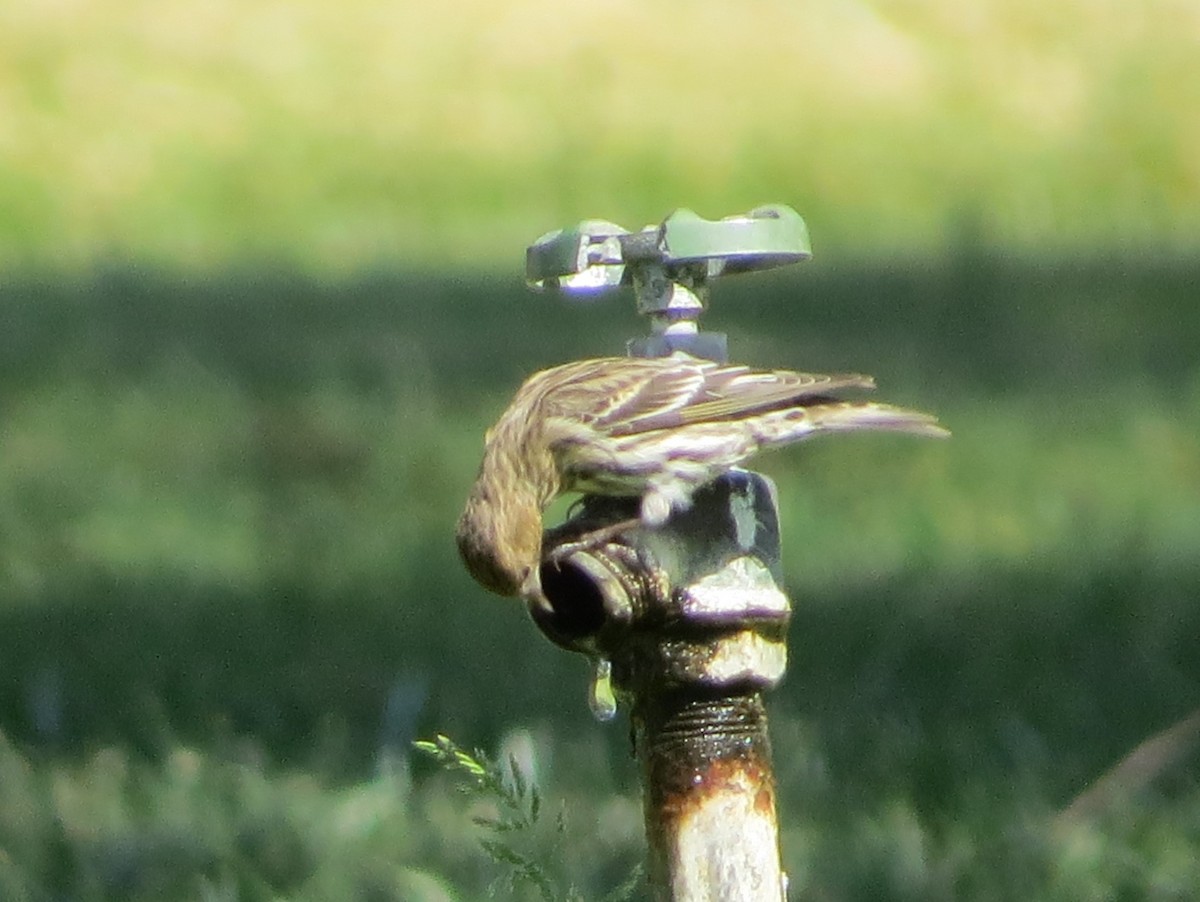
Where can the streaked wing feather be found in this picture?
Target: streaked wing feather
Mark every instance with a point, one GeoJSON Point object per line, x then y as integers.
{"type": "Point", "coordinates": [661, 394]}
{"type": "Point", "coordinates": [627, 396]}
{"type": "Point", "coordinates": [733, 392]}
{"type": "Point", "coordinates": [610, 394]}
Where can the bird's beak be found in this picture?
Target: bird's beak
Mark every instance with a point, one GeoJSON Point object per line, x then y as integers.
{"type": "Point", "coordinates": [531, 592]}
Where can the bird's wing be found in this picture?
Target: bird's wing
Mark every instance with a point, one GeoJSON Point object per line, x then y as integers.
{"type": "Point", "coordinates": [623, 396]}
{"type": "Point", "coordinates": [614, 394]}
{"type": "Point", "coordinates": [734, 392]}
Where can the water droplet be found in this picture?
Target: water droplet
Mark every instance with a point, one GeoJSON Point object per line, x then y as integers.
{"type": "Point", "coordinates": [601, 698]}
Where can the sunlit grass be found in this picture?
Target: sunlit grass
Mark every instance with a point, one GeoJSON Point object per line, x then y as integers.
{"type": "Point", "coordinates": [187, 474]}
{"type": "Point", "coordinates": [333, 136]}
{"type": "Point", "coordinates": [1025, 481]}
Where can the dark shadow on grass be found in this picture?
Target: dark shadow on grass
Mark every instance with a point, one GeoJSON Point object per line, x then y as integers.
{"type": "Point", "coordinates": [974, 318]}
{"type": "Point", "coordinates": [323, 682]}
{"type": "Point", "coordinates": [1008, 680]}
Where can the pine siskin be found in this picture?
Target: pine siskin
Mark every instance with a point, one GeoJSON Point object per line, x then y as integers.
{"type": "Point", "coordinates": [658, 428]}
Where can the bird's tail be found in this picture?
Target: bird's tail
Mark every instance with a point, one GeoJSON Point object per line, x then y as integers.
{"type": "Point", "coordinates": [783, 426]}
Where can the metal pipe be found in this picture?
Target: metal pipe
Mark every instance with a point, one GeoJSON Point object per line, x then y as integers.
{"type": "Point", "coordinates": [692, 620]}
{"type": "Point", "coordinates": [688, 617]}
{"type": "Point", "coordinates": [710, 813]}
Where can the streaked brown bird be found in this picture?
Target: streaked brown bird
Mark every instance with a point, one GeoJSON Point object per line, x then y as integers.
{"type": "Point", "coordinates": [658, 428]}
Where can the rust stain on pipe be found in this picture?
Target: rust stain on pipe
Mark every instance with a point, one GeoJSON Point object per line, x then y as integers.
{"type": "Point", "coordinates": [710, 799]}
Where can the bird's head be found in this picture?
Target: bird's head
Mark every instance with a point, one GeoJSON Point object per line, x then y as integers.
{"type": "Point", "coordinates": [500, 539]}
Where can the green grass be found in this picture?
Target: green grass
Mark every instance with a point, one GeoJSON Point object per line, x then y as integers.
{"type": "Point", "coordinates": [207, 133]}
{"type": "Point", "coordinates": [220, 823]}
{"type": "Point", "coordinates": [229, 598]}
{"type": "Point", "coordinates": [240, 403]}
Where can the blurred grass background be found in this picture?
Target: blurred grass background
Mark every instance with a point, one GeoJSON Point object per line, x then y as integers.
{"type": "Point", "coordinates": [261, 294]}
{"type": "Point", "coordinates": [329, 137]}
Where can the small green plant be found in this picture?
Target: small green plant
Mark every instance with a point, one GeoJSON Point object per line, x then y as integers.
{"type": "Point", "coordinates": [511, 839]}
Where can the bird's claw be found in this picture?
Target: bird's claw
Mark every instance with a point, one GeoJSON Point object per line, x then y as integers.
{"type": "Point", "coordinates": [589, 541]}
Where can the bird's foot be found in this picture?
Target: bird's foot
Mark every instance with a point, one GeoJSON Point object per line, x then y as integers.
{"type": "Point", "coordinates": [589, 540]}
